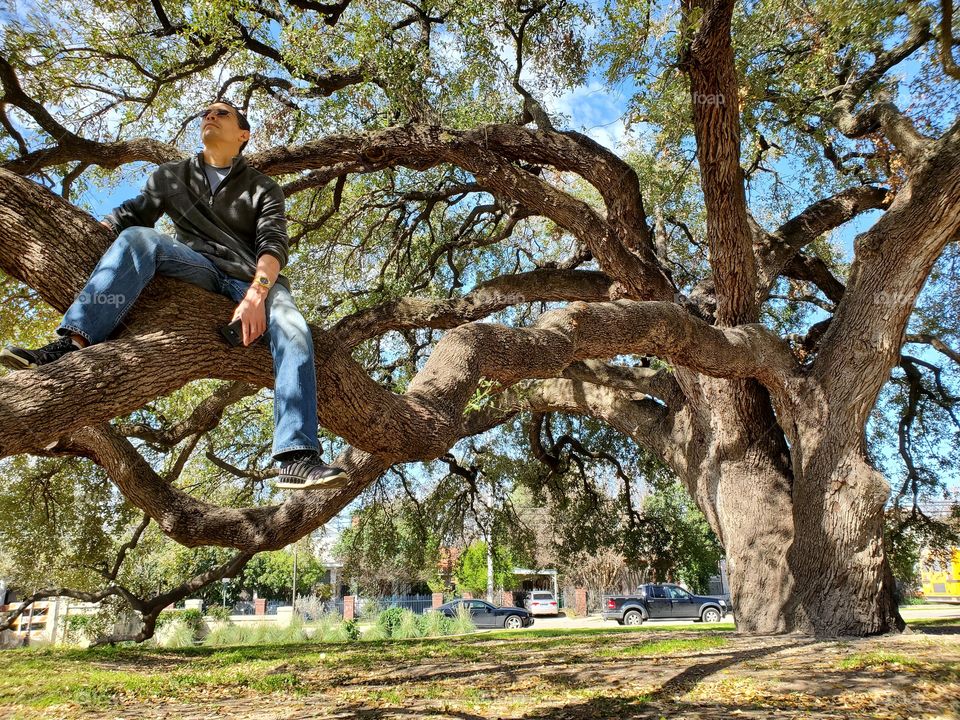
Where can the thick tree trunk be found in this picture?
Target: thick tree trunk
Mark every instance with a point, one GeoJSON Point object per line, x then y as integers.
{"type": "Point", "coordinates": [736, 469]}
{"type": "Point", "coordinates": [802, 533]}
{"type": "Point", "coordinates": [843, 583]}
{"type": "Point", "coordinates": [816, 566]}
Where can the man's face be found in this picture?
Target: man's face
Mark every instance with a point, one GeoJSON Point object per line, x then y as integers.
{"type": "Point", "coordinates": [219, 124]}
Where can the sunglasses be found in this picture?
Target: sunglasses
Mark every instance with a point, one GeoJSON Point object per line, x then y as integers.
{"type": "Point", "coordinates": [216, 113]}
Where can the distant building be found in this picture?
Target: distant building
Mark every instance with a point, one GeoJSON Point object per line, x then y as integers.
{"type": "Point", "coordinates": [941, 580]}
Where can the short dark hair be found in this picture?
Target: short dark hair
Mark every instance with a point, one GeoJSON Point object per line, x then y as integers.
{"type": "Point", "coordinates": [241, 118]}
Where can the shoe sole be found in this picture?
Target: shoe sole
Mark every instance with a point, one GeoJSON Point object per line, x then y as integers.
{"type": "Point", "coordinates": [331, 483]}
{"type": "Point", "coordinates": [14, 361]}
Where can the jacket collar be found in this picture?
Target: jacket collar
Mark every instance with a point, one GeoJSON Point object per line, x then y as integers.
{"type": "Point", "coordinates": [238, 163]}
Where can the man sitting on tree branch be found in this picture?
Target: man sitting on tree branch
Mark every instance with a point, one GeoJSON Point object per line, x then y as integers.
{"type": "Point", "coordinates": [231, 239]}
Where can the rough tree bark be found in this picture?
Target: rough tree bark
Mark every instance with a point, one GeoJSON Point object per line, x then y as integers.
{"type": "Point", "coordinates": [770, 445]}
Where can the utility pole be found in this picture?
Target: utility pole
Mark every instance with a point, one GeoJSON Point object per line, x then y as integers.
{"type": "Point", "coordinates": [294, 601]}
{"type": "Point", "coordinates": [490, 563]}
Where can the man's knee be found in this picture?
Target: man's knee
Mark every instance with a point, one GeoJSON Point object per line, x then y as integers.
{"type": "Point", "coordinates": [141, 241]}
{"type": "Point", "coordinates": [288, 325]}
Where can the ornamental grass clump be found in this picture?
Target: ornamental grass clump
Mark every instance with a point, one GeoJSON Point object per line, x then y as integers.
{"type": "Point", "coordinates": [175, 634]}
{"type": "Point", "coordinates": [462, 623]}
{"type": "Point", "coordinates": [436, 624]}
{"type": "Point", "coordinates": [331, 628]}
{"type": "Point", "coordinates": [408, 626]}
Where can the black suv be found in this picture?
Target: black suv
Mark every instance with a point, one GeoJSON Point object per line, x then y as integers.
{"type": "Point", "coordinates": [657, 602]}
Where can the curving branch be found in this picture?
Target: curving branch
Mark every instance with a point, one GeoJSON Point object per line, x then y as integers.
{"type": "Point", "coordinates": [950, 66]}
{"type": "Point", "coordinates": [810, 268]}
{"type": "Point", "coordinates": [780, 248]}
{"type": "Point", "coordinates": [412, 312]}
{"type": "Point", "coordinates": [658, 383]}
{"type": "Point", "coordinates": [330, 10]}
{"type": "Point", "coordinates": [936, 343]}
{"type": "Point", "coordinates": [892, 261]}
{"type": "Point", "coordinates": [646, 422]}
{"type": "Point", "coordinates": [620, 241]}
{"type": "Point", "coordinates": [883, 115]}
{"type": "Point", "coordinates": [205, 417]}
{"type": "Point", "coordinates": [194, 522]}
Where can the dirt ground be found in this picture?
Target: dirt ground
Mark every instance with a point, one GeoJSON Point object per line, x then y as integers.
{"type": "Point", "coordinates": [608, 675]}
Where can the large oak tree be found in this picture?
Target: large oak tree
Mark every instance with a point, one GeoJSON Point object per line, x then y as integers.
{"type": "Point", "coordinates": [415, 147]}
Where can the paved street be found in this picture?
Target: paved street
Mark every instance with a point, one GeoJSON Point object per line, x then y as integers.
{"type": "Point", "coordinates": [909, 612]}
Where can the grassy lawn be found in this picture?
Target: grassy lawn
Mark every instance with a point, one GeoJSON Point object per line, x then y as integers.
{"type": "Point", "coordinates": [583, 673]}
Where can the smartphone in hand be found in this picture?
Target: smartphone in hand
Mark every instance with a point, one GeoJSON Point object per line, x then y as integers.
{"type": "Point", "coordinates": [233, 333]}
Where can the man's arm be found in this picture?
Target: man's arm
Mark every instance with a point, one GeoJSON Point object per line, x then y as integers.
{"type": "Point", "coordinates": [252, 309]}
{"type": "Point", "coordinates": [272, 247]}
{"type": "Point", "coordinates": [144, 210]}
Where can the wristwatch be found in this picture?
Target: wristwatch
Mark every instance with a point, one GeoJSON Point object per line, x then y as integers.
{"type": "Point", "coordinates": [262, 282]}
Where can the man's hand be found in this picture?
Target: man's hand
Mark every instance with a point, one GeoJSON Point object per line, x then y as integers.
{"type": "Point", "coordinates": [252, 315]}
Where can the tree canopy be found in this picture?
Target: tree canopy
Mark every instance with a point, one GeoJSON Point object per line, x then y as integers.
{"type": "Point", "coordinates": [477, 271]}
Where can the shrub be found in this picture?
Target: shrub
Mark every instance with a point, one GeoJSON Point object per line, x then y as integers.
{"type": "Point", "coordinates": [375, 633]}
{"type": "Point", "coordinates": [389, 619]}
{"type": "Point", "coordinates": [256, 634]}
{"type": "Point", "coordinates": [229, 635]}
{"type": "Point", "coordinates": [351, 629]}
{"type": "Point", "coordinates": [331, 628]}
{"type": "Point", "coordinates": [193, 619]}
{"type": "Point", "coordinates": [219, 613]}
{"type": "Point", "coordinates": [289, 635]}
{"type": "Point", "coordinates": [310, 607]}
{"type": "Point", "coordinates": [77, 628]}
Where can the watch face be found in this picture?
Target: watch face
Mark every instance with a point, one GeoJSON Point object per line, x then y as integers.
{"type": "Point", "coordinates": [263, 281]}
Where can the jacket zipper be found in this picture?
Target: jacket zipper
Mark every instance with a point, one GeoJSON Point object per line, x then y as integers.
{"type": "Point", "coordinates": [223, 182]}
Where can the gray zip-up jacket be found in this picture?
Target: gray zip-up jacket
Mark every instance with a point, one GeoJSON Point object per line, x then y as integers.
{"type": "Point", "coordinates": [233, 226]}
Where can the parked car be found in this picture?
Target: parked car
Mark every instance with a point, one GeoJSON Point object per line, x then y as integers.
{"type": "Point", "coordinates": [486, 615]}
{"type": "Point", "coordinates": [541, 602]}
{"type": "Point", "coordinates": [663, 602]}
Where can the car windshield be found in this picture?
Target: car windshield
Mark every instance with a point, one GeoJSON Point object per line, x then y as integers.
{"type": "Point", "coordinates": [542, 596]}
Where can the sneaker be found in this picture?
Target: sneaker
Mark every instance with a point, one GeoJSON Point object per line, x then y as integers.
{"type": "Point", "coordinates": [20, 359]}
{"type": "Point", "coordinates": [309, 474]}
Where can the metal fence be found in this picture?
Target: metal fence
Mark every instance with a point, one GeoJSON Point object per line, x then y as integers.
{"type": "Point", "coordinates": [247, 608]}
{"type": "Point", "coordinates": [418, 604]}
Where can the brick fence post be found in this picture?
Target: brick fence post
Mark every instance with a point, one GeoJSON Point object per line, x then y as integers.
{"type": "Point", "coordinates": [580, 601]}
{"type": "Point", "coordinates": [260, 606]}
{"type": "Point", "coordinates": [468, 596]}
{"type": "Point", "coordinates": [436, 600]}
{"type": "Point", "coordinates": [507, 598]}
{"type": "Point", "coordinates": [349, 607]}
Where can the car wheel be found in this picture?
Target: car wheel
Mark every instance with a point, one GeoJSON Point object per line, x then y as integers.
{"type": "Point", "coordinates": [619, 622]}
{"type": "Point", "coordinates": [711, 615]}
{"type": "Point", "coordinates": [632, 617]}
{"type": "Point", "coordinates": [513, 622]}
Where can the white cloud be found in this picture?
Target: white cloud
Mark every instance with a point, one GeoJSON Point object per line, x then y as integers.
{"type": "Point", "coordinates": [594, 110]}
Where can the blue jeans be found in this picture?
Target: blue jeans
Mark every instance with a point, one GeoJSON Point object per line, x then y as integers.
{"type": "Point", "coordinates": [138, 254]}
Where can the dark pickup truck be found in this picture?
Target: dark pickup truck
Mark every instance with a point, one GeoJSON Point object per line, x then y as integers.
{"type": "Point", "coordinates": [654, 602]}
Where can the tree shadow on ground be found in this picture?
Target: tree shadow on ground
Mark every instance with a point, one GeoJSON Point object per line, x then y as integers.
{"type": "Point", "coordinates": [938, 630]}
{"type": "Point", "coordinates": [650, 705]}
